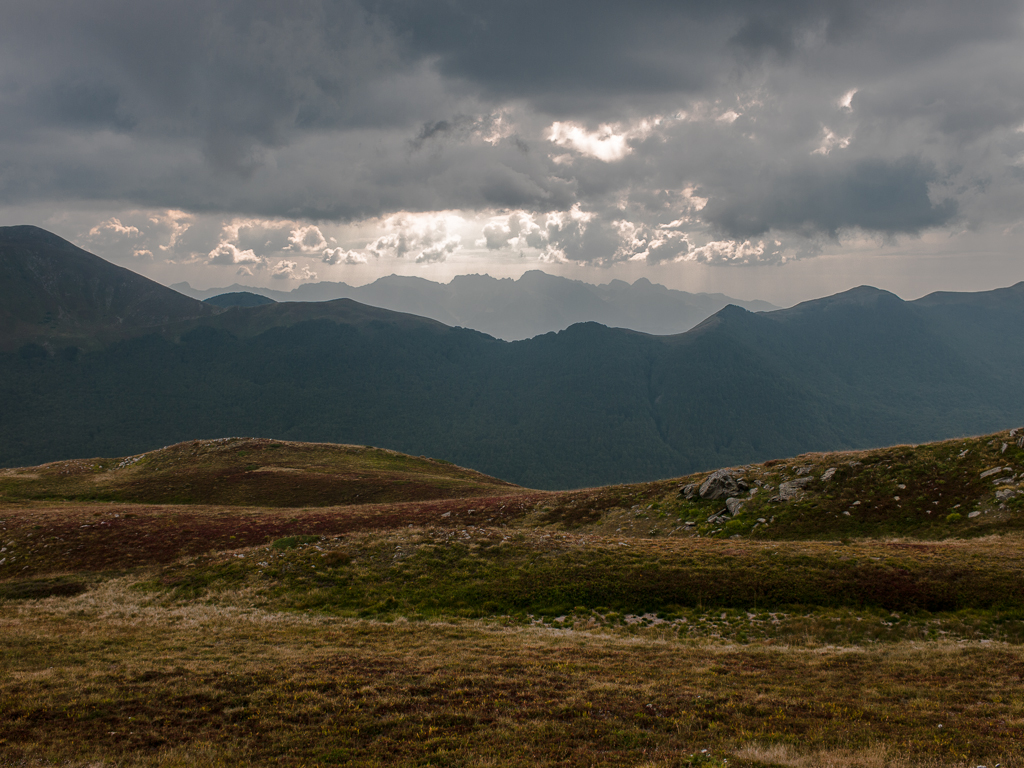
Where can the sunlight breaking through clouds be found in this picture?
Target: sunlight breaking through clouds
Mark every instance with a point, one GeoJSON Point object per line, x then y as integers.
{"type": "Point", "coordinates": [359, 135]}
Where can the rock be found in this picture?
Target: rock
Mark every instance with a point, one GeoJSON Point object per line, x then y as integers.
{"type": "Point", "coordinates": [689, 491]}
{"type": "Point", "coordinates": [1006, 493]}
{"type": "Point", "coordinates": [1003, 449]}
{"type": "Point", "coordinates": [846, 512]}
{"type": "Point", "coordinates": [804, 470]}
{"type": "Point", "coordinates": [1020, 442]}
{"type": "Point", "coordinates": [975, 513]}
{"type": "Point", "coordinates": [762, 520]}
{"type": "Point", "coordinates": [828, 474]}
{"type": "Point", "coordinates": [791, 489]}
{"type": "Point", "coordinates": [994, 470]}
{"type": "Point", "coordinates": [722, 484]}
{"type": "Point", "coordinates": [734, 506]}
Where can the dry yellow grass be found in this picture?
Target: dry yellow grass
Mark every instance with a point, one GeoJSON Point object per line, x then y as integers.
{"type": "Point", "coordinates": [117, 677]}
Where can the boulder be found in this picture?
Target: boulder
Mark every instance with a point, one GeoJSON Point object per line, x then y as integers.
{"type": "Point", "coordinates": [689, 491]}
{"type": "Point", "coordinates": [828, 474]}
{"type": "Point", "coordinates": [723, 484]}
{"type": "Point", "coordinates": [734, 506]}
{"type": "Point", "coordinates": [791, 489]}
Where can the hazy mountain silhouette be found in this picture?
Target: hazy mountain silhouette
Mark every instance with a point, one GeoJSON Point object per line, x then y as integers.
{"type": "Point", "coordinates": [510, 309]}
{"type": "Point", "coordinates": [239, 299]}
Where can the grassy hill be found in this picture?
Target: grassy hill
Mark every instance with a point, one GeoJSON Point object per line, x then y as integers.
{"type": "Point", "coordinates": [198, 605]}
{"type": "Point", "coordinates": [953, 490]}
{"type": "Point", "coordinates": [250, 472]}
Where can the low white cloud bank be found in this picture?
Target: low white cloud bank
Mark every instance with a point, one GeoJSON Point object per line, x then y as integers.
{"type": "Point", "coordinates": [308, 239]}
{"type": "Point", "coordinates": [290, 270]}
{"type": "Point", "coordinates": [334, 256]}
{"type": "Point", "coordinates": [425, 237]}
{"type": "Point", "coordinates": [229, 254]}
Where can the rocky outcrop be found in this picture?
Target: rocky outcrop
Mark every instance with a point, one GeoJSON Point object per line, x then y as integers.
{"type": "Point", "coordinates": [723, 484]}
{"type": "Point", "coordinates": [792, 488]}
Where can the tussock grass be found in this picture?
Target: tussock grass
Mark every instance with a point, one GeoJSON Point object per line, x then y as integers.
{"type": "Point", "coordinates": [120, 681]}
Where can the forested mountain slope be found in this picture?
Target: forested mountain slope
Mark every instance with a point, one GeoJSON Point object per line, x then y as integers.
{"type": "Point", "coordinates": [589, 405]}
{"type": "Point", "coordinates": [53, 291]}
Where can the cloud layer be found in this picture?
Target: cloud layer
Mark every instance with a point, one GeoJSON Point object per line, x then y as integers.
{"type": "Point", "coordinates": [734, 132]}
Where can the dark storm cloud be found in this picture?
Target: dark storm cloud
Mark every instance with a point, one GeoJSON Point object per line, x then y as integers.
{"type": "Point", "coordinates": [879, 196]}
{"type": "Point", "coordinates": [801, 117]}
{"type": "Point", "coordinates": [578, 51]}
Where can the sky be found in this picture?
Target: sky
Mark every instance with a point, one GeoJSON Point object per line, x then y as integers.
{"type": "Point", "coordinates": [780, 150]}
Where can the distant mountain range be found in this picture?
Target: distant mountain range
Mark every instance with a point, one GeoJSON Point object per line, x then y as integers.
{"type": "Point", "coordinates": [588, 405]}
{"type": "Point", "coordinates": [510, 309]}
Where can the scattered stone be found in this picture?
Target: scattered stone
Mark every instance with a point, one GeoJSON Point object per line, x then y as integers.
{"type": "Point", "coordinates": [853, 463]}
{"type": "Point", "coordinates": [828, 474]}
{"type": "Point", "coordinates": [993, 471]}
{"type": "Point", "coordinates": [901, 486]}
{"type": "Point", "coordinates": [689, 523]}
{"type": "Point", "coordinates": [846, 512]}
{"type": "Point", "coordinates": [791, 489]}
{"type": "Point", "coordinates": [689, 491]}
{"type": "Point", "coordinates": [1020, 442]}
{"type": "Point", "coordinates": [1013, 432]}
{"type": "Point", "coordinates": [1003, 449]}
{"type": "Point", "coordinates": [447, 514]}
{"type": "Point", "coordinates": [1006, 493]}
{"type": "Point", "coordinates": [804, 470]}
{"type": "Point", "coordinates": [856, 503]}
{"type": "Point", "coordinates": [722, 484]}
{"type": "Point", "coordinates": [975, 513]}
{"type": "Point", "coordinates": [761, 520]}
{"type": "Point", "coordinates": [734, 506]}
{"type": "Point", "coordinates": [719, 517]}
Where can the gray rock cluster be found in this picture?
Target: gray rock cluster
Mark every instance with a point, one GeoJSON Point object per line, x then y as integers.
{"type": "Point", "coordinates": [726, 484]}
{"type": "Point", "coordinates": [723, 484]}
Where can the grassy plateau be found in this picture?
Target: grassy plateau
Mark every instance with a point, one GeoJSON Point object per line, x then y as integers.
{"type": "Point", "coordinates": [257, 602]}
